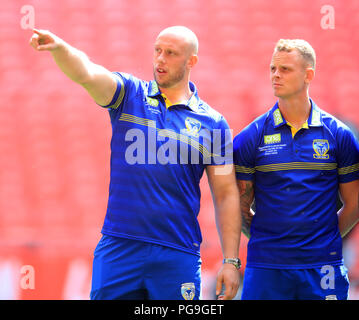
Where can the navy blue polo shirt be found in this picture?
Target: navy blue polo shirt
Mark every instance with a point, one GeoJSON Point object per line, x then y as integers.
{"type": "Point", "coordinates": [158, 156]}
{"type": "Point", "coordinates": [296, 182]}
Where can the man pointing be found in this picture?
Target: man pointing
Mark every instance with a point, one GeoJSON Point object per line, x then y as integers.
{"type": "Point", "coordinates": [150, 248]}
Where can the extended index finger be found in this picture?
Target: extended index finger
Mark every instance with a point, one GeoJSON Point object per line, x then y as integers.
{"type": "Point", "coordinates": [37, 31]}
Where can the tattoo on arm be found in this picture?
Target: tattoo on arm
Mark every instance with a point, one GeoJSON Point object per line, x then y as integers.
{"type": "Point", "coordinates": [246, 189]}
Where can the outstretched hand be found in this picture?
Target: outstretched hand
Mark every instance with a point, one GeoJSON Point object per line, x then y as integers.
{"type": "Point", "coordinates": [43, 40]}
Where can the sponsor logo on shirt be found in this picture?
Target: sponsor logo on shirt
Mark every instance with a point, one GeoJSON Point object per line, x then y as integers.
{"type": "Point", "coordinates": [274, 138]}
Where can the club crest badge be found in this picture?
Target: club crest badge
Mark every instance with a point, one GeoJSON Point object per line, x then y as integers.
{"type": "Point", "coordinates": [321, 148]}
{"type": "Point", "coordinates": [188, 290]}
{"type": "Point", "coordinates": [192, 126]}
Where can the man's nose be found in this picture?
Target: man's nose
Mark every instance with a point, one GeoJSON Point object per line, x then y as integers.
{"type": "Point", "coordinates": [161, 58]}
{"type": "Point", "coordinates": [276, 73]}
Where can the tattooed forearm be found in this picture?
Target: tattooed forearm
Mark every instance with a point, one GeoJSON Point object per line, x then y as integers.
{"type": "Point", "coordinates": [246, 189]}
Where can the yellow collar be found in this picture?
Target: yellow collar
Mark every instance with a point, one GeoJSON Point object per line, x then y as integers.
{"type": "Point", "coordinates": [294, 130]}
{"type": "Point", "coordinates": [169, 103]}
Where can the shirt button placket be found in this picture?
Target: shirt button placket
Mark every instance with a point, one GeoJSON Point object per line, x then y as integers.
{"type": "Point", "coordinates": [168, 116]}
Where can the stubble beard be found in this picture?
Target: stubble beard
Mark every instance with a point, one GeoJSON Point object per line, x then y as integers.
{"type": "Point", "coordinates": [172, 81]}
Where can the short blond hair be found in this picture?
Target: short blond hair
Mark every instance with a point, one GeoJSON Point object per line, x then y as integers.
{"type": "Point", "coordinates": [304, 48]}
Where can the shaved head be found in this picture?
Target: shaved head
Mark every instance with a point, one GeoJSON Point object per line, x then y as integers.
{"type": "Point", "coordinates": [175, 54]}
{"type": "Point", "coordinates": [184, 34]}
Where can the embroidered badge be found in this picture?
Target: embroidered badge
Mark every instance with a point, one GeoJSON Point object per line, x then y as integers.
{"type": "Point", "coordinates": [321, 148]}
{"type": "Point", "coordinates": [188, 290]}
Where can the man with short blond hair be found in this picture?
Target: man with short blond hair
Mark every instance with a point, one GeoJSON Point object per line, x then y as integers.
{"type": "Point", "coordinates": [293, 160]}
{"type": "Point", "coordinates": [303, 47]}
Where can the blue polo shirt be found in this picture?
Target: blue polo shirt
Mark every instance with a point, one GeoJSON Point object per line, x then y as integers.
{"type": "Point", "coordinates": [296, 182]}
{"type": "Point", "coordinates": [158, 155]}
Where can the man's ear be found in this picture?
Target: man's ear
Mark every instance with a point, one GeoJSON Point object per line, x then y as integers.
{"type": "Point", "coordinates": [192, 61]}
{"type": "Point", "coordinates": [310, 73]}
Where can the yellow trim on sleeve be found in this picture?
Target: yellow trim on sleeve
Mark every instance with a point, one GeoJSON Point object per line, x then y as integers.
{"type": "Point", "coordinates": [117, 103]}
{"type": "Point", "coordinates": [350, 169]}
{"type": "Point", "coordinates": [242, 169]}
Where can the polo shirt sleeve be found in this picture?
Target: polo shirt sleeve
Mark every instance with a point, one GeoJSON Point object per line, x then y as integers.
{"type": "Point", "coordinates": [125, 83]}
{"type": "Point", "coordinates": [244, 147]}
{"type": "Point", "coordinates": [348, 155]}
{"type": "Point", "coordinates": [222, 143]}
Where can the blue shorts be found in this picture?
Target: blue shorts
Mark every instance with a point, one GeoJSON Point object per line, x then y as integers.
{"type": "Point", "coordinates": [325, 283]}
{"type": "Point", "coordinates": [134, 270]}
